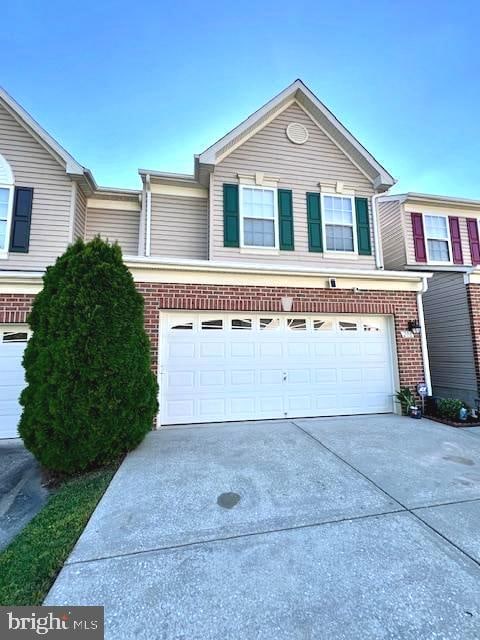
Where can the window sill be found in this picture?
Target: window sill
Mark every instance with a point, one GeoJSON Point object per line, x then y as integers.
{"type": "Point", "coordinates": [260, 251]}
{"type": "Point", "coordinates": [343, 255]}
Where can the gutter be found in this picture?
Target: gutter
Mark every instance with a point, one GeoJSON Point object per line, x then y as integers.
{"type": "Point", "coordinates": [148, 221]}
{"type": "Point", "coordinates": [423, 336]}
{"type": "Point", "coordinates": [236, 267]}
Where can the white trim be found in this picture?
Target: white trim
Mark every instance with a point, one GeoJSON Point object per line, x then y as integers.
{"type": "Point", "coordinates": [447, 240]}
{"type": "Point", "coordinates": [242, 217]}
{"type": "Point", "coordinates": [115, 205]}
{"type": "Point", "coordinates": [148, 217]}
{"type": "Point", "coordinates": [377, 233]}
{"type": "Point", "coordinates": [211, 188]}
{"type": "Point", "coordinates": [423, 337]}
{"type": "Point", "coordinates": [332, 252]}
{"type": "Point", "coordinates": [73, 202]}
{"type": "Point", "coordinates": [19, 113]}
{"type": "Point", "coordinates": [213, 154]}
{"type": "Point", "coordinates": [11, 190]}
{"type": "Point", "coordinates": [178, 190]}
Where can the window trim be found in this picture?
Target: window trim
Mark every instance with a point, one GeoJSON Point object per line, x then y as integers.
{"type": "Point", "coordinates": [242, 216]}
{"type": "Point", "coordinates": [11, 190]}
{"type": "Point", "coordinates": [324, 225]}
{"type": "Point", "coordinates": [448, 240]}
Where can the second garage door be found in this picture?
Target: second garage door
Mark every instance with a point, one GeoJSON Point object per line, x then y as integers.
{"type": "Point", "coordinates": [221, 367]}
{"type": "Point", "coordinates": [13, 340]}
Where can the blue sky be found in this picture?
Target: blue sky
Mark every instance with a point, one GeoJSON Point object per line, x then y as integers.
{"type": "Point", "coordinates": [125, 85]}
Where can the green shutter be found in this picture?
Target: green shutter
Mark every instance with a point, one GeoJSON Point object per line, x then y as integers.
{"type": "Point", "coordinates": [363, 227]}
{"type": "Point", "coordinates": [231, 237]}
{"type": "Point", "coordinates": [285, 217]}
{"type": "Point", "coordinates": [314, 218]}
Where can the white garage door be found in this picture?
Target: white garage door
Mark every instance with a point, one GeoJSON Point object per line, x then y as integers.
{"type": "Point", "coordinates": [13, 339]}
{"type": "Point", "coordinates": [219, 367]}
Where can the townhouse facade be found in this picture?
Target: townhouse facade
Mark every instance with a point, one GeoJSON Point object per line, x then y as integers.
{"type": "Point", "coordinates": [266, 295]}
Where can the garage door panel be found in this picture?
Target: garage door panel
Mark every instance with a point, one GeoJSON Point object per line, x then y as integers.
{"type": "Point", "coordinates": [12, 379]}
{"type": "Point", "coordinates": [271, 367]}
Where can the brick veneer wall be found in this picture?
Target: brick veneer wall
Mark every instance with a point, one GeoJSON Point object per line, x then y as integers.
{"type": "Point", "coordinates": [401, 304]}
{"type": "Point", "coordinates": [473, 297]}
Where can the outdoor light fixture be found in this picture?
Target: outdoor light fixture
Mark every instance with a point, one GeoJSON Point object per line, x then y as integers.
{"type": "Point", "coordinates": [287, 304]}
{"type": "Point", "coordinates": [414, 327]}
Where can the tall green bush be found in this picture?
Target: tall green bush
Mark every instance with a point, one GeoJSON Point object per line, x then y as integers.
{"type": "Point", "coordinates": [90, 393]}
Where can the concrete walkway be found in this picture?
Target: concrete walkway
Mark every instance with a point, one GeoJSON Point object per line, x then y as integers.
{"type": "Point", "coordinates": [364, 527]}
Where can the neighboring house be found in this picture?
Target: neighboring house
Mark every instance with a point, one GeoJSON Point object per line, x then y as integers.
{"type": "Point", "coordinates": [441, 235]}
{"type": "Point", "coordinates": [265, 293]}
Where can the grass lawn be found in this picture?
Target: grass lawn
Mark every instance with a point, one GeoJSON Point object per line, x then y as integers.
{"type": "Point", "coordinates": [30, 564]}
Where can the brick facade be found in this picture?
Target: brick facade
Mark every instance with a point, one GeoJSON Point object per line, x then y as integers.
{"type": "Point", "coordinates": [402, 305]}
{"type": "Point", "coordinates": [473, 297]}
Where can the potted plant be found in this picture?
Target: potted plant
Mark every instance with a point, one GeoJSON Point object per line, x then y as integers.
{"type": "Point", "coordinates": [407, 401]}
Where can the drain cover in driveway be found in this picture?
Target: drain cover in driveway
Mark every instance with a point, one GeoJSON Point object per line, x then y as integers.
{"type": "Point", "coordinates": [228, 500]}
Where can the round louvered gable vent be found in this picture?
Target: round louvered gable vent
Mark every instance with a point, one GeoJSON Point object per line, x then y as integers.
{"type": "Point", "coordinates": [297, 133]}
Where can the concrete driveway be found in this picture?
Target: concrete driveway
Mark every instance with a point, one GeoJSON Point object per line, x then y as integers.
{"type": "Point", "coordinates": [364, 527]}
{"type": "Point", "coordinates": [21, 492]}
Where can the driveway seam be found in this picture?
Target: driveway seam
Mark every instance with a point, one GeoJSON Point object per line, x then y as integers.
{"type": "Point", "coordinates": [407, 509]}
{"type": "Point", "coordinates": [235, 537]}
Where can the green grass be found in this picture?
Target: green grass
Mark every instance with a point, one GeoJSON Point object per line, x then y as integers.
{"type": "Point", "coordinates": [30, 564]}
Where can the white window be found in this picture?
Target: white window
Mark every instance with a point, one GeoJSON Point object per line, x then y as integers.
{"type": "Point", "coordinates": [438, 238]}
{"type": "Point", "coordinates": [239, 323]}
{"type": "Point", "coordinates": [6, 199]}
{"type": "Point", "coordinates": [347, 326]}
{"type": "Point", "coordinates": [340, 233]}
{"type": "Point", "coordinates": [212, 324]}
{"type": "Point", "coordinates": [258, 217]}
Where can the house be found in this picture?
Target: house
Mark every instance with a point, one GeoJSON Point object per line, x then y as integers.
{"type": "Point", "coordinates": [265, 292]}
{"type": "Point", "coordinates": [441, 235]}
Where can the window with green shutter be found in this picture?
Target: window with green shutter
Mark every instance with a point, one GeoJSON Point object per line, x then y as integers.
{"type": "Point", "coordinates": [231, 235]}
{"type": "Point", "coordinates": [314, 219]}
{"type": "Point", "coordinates": [363, 227]}
{"type": "Point", "coordinates": [285, 217]}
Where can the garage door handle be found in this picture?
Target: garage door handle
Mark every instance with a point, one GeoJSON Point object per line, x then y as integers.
{"type": "Point", "coordinates": [284, 376]}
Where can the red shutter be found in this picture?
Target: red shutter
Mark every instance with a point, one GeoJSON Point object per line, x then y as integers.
{"type": "Point", "coordinates": [418, 237]}
{"type": "Point", "coordinates": [472, 227]}
{"type": "Point", "coordinates": [456, 240]}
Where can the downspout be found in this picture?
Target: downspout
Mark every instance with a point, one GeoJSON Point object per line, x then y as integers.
{"type": "Point", "coordinates": [423, 336]}
{"type": "Point", "coordinates": [376, 232]}
{"type": "Point", "coordinates": [148, 221]}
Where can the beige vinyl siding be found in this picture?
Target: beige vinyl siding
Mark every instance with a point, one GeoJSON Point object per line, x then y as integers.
{"type": "Point", "coordinates": [392, 234]}
{"type": "Point", "coordinates": [462, 216]}
{"type": "Point", "coordinates": [300, 168]}
{"type": "Point", "coordinates": [80, 218]}
{"type": "Point", "coordinates": [449, 337]}
{"type": "Point", "coordinates": [33, 166]}
{"type": "Point", "coordinates": [113, 225]}
{"type": "Point", "coordinates": [179, 227]}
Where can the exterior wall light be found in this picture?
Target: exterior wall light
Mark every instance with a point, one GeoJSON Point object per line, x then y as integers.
{"type": "Point", "coordinates": [414, 327]}
{"type": "Point", "coordinates": [287, 304]}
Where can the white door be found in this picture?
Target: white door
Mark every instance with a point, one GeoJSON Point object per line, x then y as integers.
{"type": "Point", "coordinates": [220, 367]}
{"type": "Point", "coordinates": [13, 339]}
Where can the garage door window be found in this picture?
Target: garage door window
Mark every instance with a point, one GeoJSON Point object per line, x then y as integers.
{"type": "Point", "coordinates": [182, 327]}
{"type": "Point", "coordinates": [371, 328]}
{"type": "Point", "coordinates": [11, 336]}
{"type": "Point", "coordinates": [241, 323]}
{"type": "Point", "coordinates": [269, 323]}
{"type": "Point", "coordinates": [212, 324]}
{"type": "Point", "coordinates": [297, 324]}
{"type": "Point", "coordinates": [323, 325]}
{"type": "Point", "coordinates": [347, 326]}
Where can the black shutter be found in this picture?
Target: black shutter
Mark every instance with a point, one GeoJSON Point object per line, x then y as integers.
{"type": "Point", "coordinates": [22, 215]}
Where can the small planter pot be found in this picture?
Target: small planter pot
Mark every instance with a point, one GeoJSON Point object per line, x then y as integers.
{"type": "Point", "coordinates": [415, 412]}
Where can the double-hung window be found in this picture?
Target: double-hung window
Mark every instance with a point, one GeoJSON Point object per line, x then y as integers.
{"type": "Point", "coordinates": [438, 238]}
{"type": "Point", "coordinates": [258, 217]}
{"type": "Point", "coordinates": [6, 201]}
{"type": "Point", "coordinates": [340, 233]}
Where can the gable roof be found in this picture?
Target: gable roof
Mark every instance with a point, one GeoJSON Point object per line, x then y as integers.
{"type": "Point", "coordinates": [432, 199]}
{"type": "Point", "coordinates": [299, 92]}
{"type": "Point", "coordinates": [71, 166]}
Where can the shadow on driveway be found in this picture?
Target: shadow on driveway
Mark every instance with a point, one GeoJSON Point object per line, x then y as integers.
{"type": "Point", "coordinates": [21, 492]}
